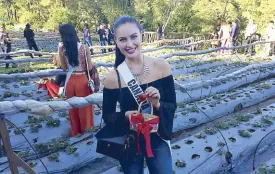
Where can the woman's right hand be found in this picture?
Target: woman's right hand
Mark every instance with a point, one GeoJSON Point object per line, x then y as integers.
{"type": "Point", "coordinates": [128, 114]}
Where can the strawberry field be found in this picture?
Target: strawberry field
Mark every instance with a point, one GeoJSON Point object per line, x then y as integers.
{"type": "Point", "coordinates": [225, 108]}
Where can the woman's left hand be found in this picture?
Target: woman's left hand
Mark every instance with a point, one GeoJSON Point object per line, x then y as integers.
{"type": "Point", "coordinates": [153, 96]}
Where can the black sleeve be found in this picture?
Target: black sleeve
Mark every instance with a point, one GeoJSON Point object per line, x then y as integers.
{"type": "Point", "coordinates": [32, 33]}
{"type": "Point", "coordinates": [168, 106]}
{"type": "Point", "coordinates": [109, 114]}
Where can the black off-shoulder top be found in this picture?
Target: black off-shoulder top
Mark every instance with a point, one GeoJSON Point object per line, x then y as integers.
{"type": "Point", "coordinates": [116, 122]}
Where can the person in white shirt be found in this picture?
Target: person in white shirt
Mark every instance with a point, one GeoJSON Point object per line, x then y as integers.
{"type": "Point", "coordinates": [269, 36]}
{"type": "Point", "coordinates": [250, 35]}
{"type": "Point", "coordinates": [225, 33]}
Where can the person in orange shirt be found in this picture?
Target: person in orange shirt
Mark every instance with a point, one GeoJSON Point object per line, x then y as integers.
{"type": "Point", "coordinates": [73, 54]}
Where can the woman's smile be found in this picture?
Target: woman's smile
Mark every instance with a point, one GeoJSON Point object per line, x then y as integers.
{"type": "Point", "coordinates": [130, 50]}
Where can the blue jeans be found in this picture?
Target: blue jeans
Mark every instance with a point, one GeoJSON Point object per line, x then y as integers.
{"type": "Point", "coordinates": [103, 43]}
{"type": "Point", "coordinates": [161, 163]}
{"type": "Point", "coordinates": [88, 41]}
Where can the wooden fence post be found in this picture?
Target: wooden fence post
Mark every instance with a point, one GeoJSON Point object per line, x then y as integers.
{"type": "Point", "coordinates": [13, 159]}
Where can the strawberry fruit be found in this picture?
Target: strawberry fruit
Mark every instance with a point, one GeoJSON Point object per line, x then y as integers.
{"type": "Point", "coordinates": [142, 97]}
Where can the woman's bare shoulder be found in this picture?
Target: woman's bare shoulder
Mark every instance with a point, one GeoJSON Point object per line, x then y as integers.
{"type": "Point", "coordinates": [162, 65]}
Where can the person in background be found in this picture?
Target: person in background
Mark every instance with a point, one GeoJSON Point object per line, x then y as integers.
{"type": "Point", "coordinates": [268, 36]}
{"type": "Point", "coordinates": [3, 31]}
{"type": "Point", "coordinates": [216, 34]}
{"type": "Point", "coordinates": [160, 31]}
{"type": "Point", "coordinates": [217, 26]}
{"type": "Point", "coordinates": [29, 35]}
{"type": "Point", "coordinates": [2, 37]}
{"type": "Point", "coordinates": [53, 85]}
{"type": "Point", "coordinates": [225, 35]}
{"type": "Point", "coordinates": [272, 38]}
{"type": "Point", "coordinates": [235, 32]}
{"type": "Point", "coordinates": [142, 30]}
{"type": "Point", "coordinates": [102, 37]}
{"type": "Point", "coordinates": [110, 36]}
{"type": "Point", "coordinates": [87, 37]}
{"type": "Point", "coordinates": [7, 42]}
{"type": "Point", "coordinates": [59, 79]}
{"type": "Point", "coordinates": [72, 54]}
{"type": "Point", "coordinates": [250, 35]}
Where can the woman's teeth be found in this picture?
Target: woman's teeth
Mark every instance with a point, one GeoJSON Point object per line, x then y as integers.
{"type": "Point", "coordinates": [130, 51]}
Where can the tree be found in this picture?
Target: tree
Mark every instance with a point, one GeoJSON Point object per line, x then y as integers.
{"type": "Point", "coordinates": [176, 15]}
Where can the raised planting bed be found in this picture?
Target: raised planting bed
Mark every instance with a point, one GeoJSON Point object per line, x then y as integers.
{"type": "Point", "coordinates": [241, 139]}
{"type": "Point", "coordinates": [35, 127]}
{"type": "Point", "coordinates": [69, 155]}
{"type": "Point", "coordinates": [205, 143]}
{"type": "Point", "coordinates": [191, 66]}
{"type": "Point", "coordinates": [219, 105]}
{"type": "Point", "coordinates": [42, 131]}
{"type": "Point", "coordinates": [266, 168]}
{"type": "Point", "coordinates": [209, 73]}
{"type": "Point", "coordinates": [205, 88]}
{"type": "Point", "coordinates": [187, 115]}
{"type": "Point", "coordinates": [49, 45]}
{"type": "Point", "coordinates": [204, 152]}
{"type": "Point", "coordinates": [265, 89]}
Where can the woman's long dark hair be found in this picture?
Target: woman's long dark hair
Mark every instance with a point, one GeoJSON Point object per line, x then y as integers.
{"type": "Point", "coordinates": [70, 39]}
{"type": "Point", "coordinates": [123, 20]}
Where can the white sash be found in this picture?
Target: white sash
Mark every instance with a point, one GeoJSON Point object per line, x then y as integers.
{"type": "Point", "coordinates": [133, 86]}
{"type": "Point", "coordinates": [62, 90]}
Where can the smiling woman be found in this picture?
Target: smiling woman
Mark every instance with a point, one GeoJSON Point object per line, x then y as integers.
{"type": "Point", "coordinates": [154, 77]}
{"type": "Point", "coordinates": [129, 40]}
